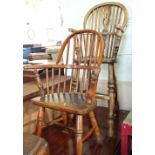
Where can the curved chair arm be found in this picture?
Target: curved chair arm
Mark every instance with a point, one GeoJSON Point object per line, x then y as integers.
{"type": "Point", "coordinates": [33, 73]}
{"type": "Point", "coordinates": [69, 66]}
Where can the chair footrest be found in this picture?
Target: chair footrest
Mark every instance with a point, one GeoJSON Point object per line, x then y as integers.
{"type": "Point", "coordinates": [102, 96]}
{"type": "Point", "coordinates": [88, 134]}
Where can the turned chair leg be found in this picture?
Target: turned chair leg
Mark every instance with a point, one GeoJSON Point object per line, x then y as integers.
{"type": "Point", "coordinates": [40, 121]}
{"type": "Point", "coordinates": [65, 119]}
{"type": "Point", "coordinates": [95, 126]}
{"type": "Point", "coordinates": [110, 131]}
{"type": "Point", "coordinates": [112, 89]}
{"type": "Point", "coordinates": [79, 133]}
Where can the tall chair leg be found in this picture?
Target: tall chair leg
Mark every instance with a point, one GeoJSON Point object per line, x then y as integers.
{"type": "Point", "coordinates": [40, 121]}
{"type": "Point", "coordinates": [64, 115]}
{"type": "Point", "coordinates": [79, 132]}
{"type": "Point", "coordinates": [112, 89]}
{"type": "Point", "coordinates": [95, 126]}
{"type": "Point", "coordinates": [110, 131]}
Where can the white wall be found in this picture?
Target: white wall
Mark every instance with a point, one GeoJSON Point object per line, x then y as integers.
{"type": "Point", "coordinates": [47, 15]}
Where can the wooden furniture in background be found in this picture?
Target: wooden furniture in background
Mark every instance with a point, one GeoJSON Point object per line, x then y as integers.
{"type": "Point", "coordinates": [39, 56]}
{"type": "Point", "coordinates": [29, 87]}
{"type": "Point", "coordinates": [126, 135]}
{"type": "Point", "coordinates": [34, 145]}
{"type": "Point", "coordinates": [110, 20]}
{"type": "Point", "coordinates": [53, 50]}
{"type": "Point", "coordinates": [78, 97]}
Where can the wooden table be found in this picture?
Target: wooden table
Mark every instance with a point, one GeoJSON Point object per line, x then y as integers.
{"type": "Point", "coordinates": [126, 133]}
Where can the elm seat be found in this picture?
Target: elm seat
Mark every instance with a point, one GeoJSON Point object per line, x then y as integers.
{"type": "Point", "coordinates": [68, 102]}
{"type": "Point", "coordinates": [76, 98]}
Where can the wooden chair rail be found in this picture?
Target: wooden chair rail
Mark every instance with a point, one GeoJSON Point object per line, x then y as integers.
{"type": "Point", "coordinates": [102, 96]}
{"type": "Point", "coordinates": [47, 66]}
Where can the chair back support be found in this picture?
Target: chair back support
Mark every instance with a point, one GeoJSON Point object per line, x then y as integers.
{"type": "Point", "coordinates": [82, 46]}
{"type": "Point", "coordinates": [110, 19]}
{"type": "Point", "coordinates": [83, 51]}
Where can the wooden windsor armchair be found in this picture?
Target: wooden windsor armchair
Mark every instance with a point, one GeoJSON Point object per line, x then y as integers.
{"type": "Point", "coordinates": [78, 96]}
{"type": "Point", "coordinates": [110, 20]}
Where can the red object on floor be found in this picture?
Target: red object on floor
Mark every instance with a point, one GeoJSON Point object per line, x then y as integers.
{"type": "Point", "coordinates": [126, 132]}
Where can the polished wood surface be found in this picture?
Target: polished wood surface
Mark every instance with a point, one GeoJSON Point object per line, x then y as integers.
{"type": "Point", "coordinates": [62, 142]}
{"type": "Point", "coordinates": [78, 97]}
{"type": "Point", "coordinates": [67, 102]}
{"type": "Point", "coordinates": [110, 20]}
